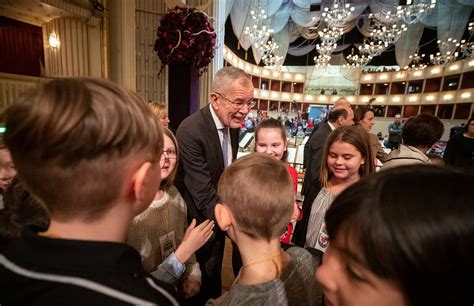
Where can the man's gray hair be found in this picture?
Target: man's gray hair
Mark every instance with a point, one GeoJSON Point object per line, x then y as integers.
{"type": "Point", "coordinates": [226, 76]}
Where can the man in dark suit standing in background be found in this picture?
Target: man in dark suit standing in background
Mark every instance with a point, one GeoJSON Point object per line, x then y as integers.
{"type": "Point", "coordinates": [208, 143]}
{"type": "Point", "coordinates": [340, 116]}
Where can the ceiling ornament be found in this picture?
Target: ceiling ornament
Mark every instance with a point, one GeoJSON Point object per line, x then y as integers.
{"type": "Point", "coordinates": [322, 61]}
{"type": "Point", "coordinates": [257, 30]}
{"type": "Point", "coordinates": [388, 33]}
{"type": "Point", "coordinates": [467, 46]}
{"type": "Point", "coordinates": [416, 62]}
{"type": "Point", "coordinates": [371, 48]}
{"type": "Point", "coordinates": [414, 12]}
{"type": "Point", "coordinates": [270, 58]}
{"type": "Point", "coordinates": [357, 60]}
{"type": "Point", "coordinates": [445, 57]}
{"type": "Point", "coordinates": [336, 15]}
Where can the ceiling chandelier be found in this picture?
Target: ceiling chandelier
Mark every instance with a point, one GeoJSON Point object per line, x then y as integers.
{"type": "Point", "coordinates": [258, 30]}
{"type": "Point", "coordinates": [322, 61]}
{"type": "Point", "coordinates": [416, 62]}
{"type": "Point", "coordinates": [336, 15]}
{"type": "Point", "coordinates": [355, 60]}
{"type": "Point", "coordinates": [467, 46]}
{"type": "Point", "coordinates": [387, 34]}
{"type": "Point", "coordinates": [371, 48]}
{"type": "Point", "coordinates": [445, 56]}
{"type": "Point", "coordinates": [269, 57]}
{"type": "Point", "coordinates": [413, 12]}
{"type": "Point", "coordinates": [331, 35]}
{"type": "Point", "coordinates": [325, 48]}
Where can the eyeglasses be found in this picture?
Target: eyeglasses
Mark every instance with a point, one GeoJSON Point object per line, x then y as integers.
{"type": "Point", "coordinates": [238, 104]}
{"type": "Point", "coordinates": [169, 154]}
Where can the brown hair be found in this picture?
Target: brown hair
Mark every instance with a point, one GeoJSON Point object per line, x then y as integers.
{"type": "Point", "coordinates": [360, 112]}
{"type": "Point", "coordinates": [423, 130]}
{"type": "Point", "coordinates": [158, 108]}
{"type": "Point", "coordinates": [168, 182]}
{"type": "Point", "coordinates": [72, 141]}
{"type": "Point", "coordinates": [355, 136]}
{"type": "Point", "coordinates": [272, 124]}
{"type": "Point", "coordinates": [259, 192]}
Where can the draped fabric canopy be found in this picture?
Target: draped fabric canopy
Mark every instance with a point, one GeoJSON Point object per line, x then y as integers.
{"type": "Point", "coordinates": [291, 19]}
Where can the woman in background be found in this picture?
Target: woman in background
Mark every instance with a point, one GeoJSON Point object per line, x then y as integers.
{"type": "Point", "coordinates": [161, 112]}
{"type": "Point", "coordinates": [364, 117]}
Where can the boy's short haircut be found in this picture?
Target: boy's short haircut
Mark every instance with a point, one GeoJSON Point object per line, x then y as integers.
{"type": "Point", "coordinates": [72, 141]}
{"type": "Point", "coordinates": [260, 193]}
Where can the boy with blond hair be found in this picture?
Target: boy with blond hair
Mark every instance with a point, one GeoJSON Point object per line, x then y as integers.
{"type": "Point", "coordinates": [257, 202]}
{"type": "Point", "coordinates": [89, 151]}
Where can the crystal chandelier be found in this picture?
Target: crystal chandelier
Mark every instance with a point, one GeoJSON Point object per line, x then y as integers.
{"type": "Point", "coordinates": [325, 48]}
{"type": "Point", "coordinates": [445, 56]}
{"type": "Point", "coordinates": [372, 49]}
{"type": "Point", "coordinates": [416, 62]}
{"type": "Point", "coordinates": [413, 12]}
{"type": "Point", "coordinates": [258, 31]}
{"type": "Point", "coordinates": [269, 57]}
{"type": "Point", "coordinates": [331, 35]}
{"type": "Point", "coordinates": [336, 15]}
{"type": "Point", "coordinates": [387, 34]}
{"type": "Point", "coordinates": [467, 46]}
{"type": "Point", "coordinates": [356, 60]}
{"type": "Point", "coordinates": [322, 61]}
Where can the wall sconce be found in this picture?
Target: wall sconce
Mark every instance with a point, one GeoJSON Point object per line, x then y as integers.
{"type": "Point", "coordinates": [54, 40]}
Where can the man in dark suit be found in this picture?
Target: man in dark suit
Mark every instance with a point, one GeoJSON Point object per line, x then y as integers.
{"type": "Point", "coordinates": [340, 116]}
{"type": "Point", "coordinates": [208, 142]}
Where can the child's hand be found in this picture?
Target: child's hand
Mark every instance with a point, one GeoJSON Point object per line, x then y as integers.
{"type": "Point", "coordinates": [194, 238]}
{"type": "Point", "coordinates": [190, 287]}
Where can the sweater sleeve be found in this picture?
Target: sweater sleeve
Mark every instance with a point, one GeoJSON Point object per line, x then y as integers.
{"type": "Point", "coordinates": [170, 270]}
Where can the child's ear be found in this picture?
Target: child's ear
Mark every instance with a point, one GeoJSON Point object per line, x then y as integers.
{"type": "Point", "coordinates": [223, 218]}
{"type": "Point", "coordinates": [296, 212]}
{"type": "Point", "coordinates": [144, 185]}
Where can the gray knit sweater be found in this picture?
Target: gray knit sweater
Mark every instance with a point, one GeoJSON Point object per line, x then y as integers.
{"type": "Point", "coordinates": [296, 286]}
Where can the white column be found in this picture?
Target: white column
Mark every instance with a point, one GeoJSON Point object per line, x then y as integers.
{"type": "Point", "coordinates": [122, 52]}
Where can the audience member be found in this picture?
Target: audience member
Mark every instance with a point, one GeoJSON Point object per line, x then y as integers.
{"type": "Point", "coordinates": [394, 133]}
{"type": "Point", "coordinates": [401, 237]}
{"type": "Point", "coordinates": [418, 134]}
{"type": "Point", "coordinates": [21, 211]}
{"type": "Point", "coordinates": [346, 159]}
{"type": "Point", "coordinates": [88, 150]}
{"type": "Point", "coordinates": [209, 141]}
{"type": "Point", "coordinates": [7, 168]}
{"type": "Point", "coordinates": [460, 148]}
{"type": "Point", "coordinates": [254, 220]}
{"type": "Point", "coordinates": [340, 116]}
{"type": "Point", "coordinates": [364, 117]}
{"type": "Point", "coordinates": [161, 112]}
{"type": "Point", "coordinates": [157, 231]}
{"type": "Point", "coordinates": [339, 103]}
{"type": "Point", "coordinates": [270, 138]}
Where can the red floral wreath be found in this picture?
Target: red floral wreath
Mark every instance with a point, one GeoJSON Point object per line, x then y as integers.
{"type": "Point", "coordinates": [185, 36]}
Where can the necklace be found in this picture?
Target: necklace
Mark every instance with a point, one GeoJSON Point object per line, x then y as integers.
{"type": "Point", "coordinates": [272, 259]}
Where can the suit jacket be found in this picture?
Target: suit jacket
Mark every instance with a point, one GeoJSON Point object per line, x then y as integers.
{"type": "Point", "coordinates": [201, 163]}
{"type": "Point", "coordinates": [315, 154]}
